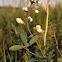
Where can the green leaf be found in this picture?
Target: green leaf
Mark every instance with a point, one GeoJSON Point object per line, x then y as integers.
{"type": "Point", "coordinates": [35, 59]}
{"type": "Point", "coordinates": [51, 60]}
{"type": "Point", "coordinates": [17, 31]}
{"type": "Point", "coordinates": [60, 59]}
{"type": "Point", "coordinates": [32, 60]}
{"type": "Point", "coordinates": [51, 49]}
{"type": "Point", "coordinates": [13, 26]}
{"type": "Point", "coordinates": [32, 41]}
{"type": "Point", "coordinates": [39, 54]}
{"type": "Point", "coordinates": [24, 38]}
{"type": "Point", "coordinates": [23, 35]}
{"type": "Point", "coordinates": [29, 38]}
{"type": "Point", "coordinates": [16, 47]}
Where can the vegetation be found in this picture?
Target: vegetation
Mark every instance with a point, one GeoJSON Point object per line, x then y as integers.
{"type": "Point", "coordinates": [16, 43]}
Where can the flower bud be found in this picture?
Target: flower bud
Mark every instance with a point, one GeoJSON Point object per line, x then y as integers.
{"type": "Point", "coordinates": [39, 30]}
{"type": "Point", "coordinates": [38, 26]}
{"type": "Point", "coordinates": [39, 2]}
{"type": "Point", "coordinates": [29, 18]}
{"type": "Point", "coordinates": [25, 9]}
{"type": "Point", "coordinates": [36, 11]}
{"type": "Point", "coordinates": [19, 20]}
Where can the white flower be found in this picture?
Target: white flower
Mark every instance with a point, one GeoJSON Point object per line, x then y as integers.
{"type": "Point", "coordinates": [25, 8]}
{"type": "Point", "coordinates": [38, 26]}
{"type": "Point", "coordinates": [36, 11]}
{"type": "Point", "coordinates": [39, 30]}
{"type": "Point", "coordinates": [29, 18]}
{"type": "Point", "coordinates": [19, 20]}
{"type": "Point", "coordinates": [39, 2]}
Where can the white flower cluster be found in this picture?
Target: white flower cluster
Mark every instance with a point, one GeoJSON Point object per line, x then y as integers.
{"type": "Point", "coordinates": [29, 18]}
{"type": "Point", "coordinates": [38, 28]}
{"type": "Point", "coordinates": [20, 21]}
{"type": "Point", "coordinates": [25, 8]}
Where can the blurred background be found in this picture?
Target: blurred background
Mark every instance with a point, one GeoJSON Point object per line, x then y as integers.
{"type": "Point", "coordinates": [22, 3]}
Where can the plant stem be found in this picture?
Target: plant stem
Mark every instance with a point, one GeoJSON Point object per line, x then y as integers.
{"type": "Point", "coordinates": [34, 38]}
{"type": "Point", "coordinates": [31, 33]}
{"type": "Point", "coordinates": [57, 43]}
{"type": "Point", "coordinates": [26, 60]}
{"type": "Point", "coordinates": [43, 5]}
{"type": "Point", "coordinates": [4, 52]}
{"type": "Point", "coordinates": [56, 40]}
{"type": "Point", "coordinates": [9, 57]}
{"type": "Point", "coordinates": [15, 56]}
{"type": "Point", "coordinates": [33, 53]}
{"type": "Point", "coordinates": [46, 26]}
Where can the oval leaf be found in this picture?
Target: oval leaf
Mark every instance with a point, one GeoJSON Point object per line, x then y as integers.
{"type": "Point", "coordinates": [23, 35]}
{"type": "Point", "coordinates": [24, 38]}
{"type": "Point", "coordinates": [60, 59]}
{"type": "Point", "coordinates": [16, 47]}
{"type": "Point", "coordinates": [32, 41]}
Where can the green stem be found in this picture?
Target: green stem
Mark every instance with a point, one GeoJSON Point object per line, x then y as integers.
{"type": "Point", "coordinates": [15, 56]}
{"type": "Point", "coordinates": [26, 60]}
{"type": "Point", "coordinates": [9, 57]}
{"type": "Point", "coordinates": [4, 52]}
{"type": "Point", "coordinates": [33, 53]}
{"type": "Point", "coordinates": [46, 27]}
